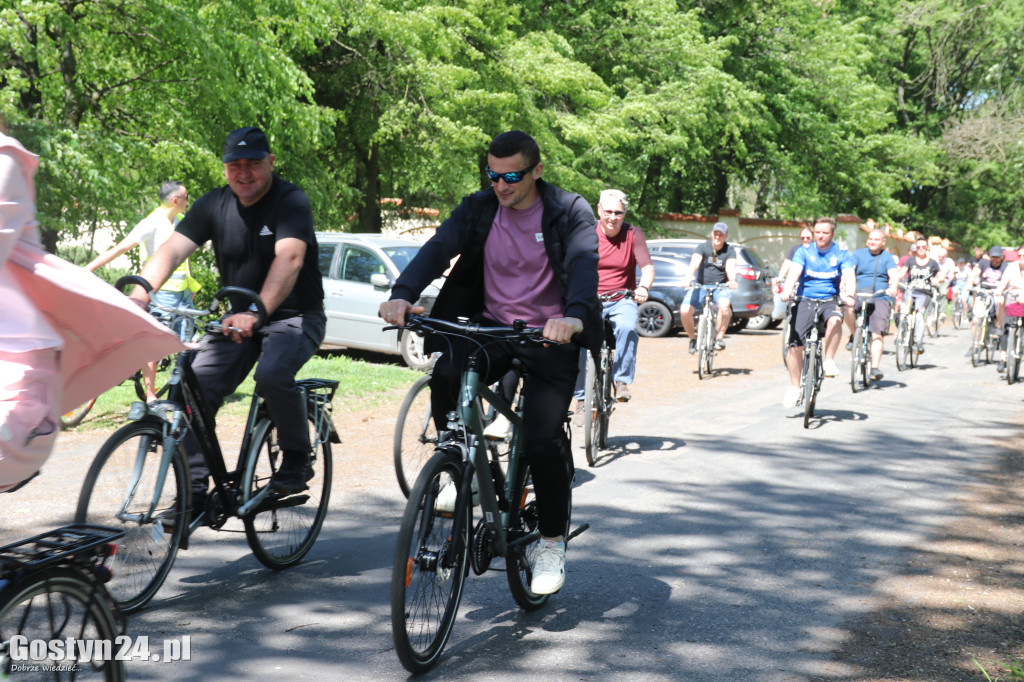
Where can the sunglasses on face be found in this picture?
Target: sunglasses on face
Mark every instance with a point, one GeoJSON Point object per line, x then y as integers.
{"type": "Point", "coordinates": [509, 178]}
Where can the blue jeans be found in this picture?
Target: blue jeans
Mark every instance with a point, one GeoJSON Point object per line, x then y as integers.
{"type": "Point", "coordinates": [623, 316]}
{"type": "Point", "coordinates": [174, 299]}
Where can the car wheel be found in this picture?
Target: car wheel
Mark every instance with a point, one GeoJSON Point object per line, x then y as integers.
{"type": "Point", "coordinates": [759, 322]}
{"type": "Point", "coordinates": [774, 324]}
{"type": "Point", "coordinates": [413, 353]}
{"type": "Point", "coordinates": [737, 325]}
{"type": "Point", "coordinates": [653, 319]}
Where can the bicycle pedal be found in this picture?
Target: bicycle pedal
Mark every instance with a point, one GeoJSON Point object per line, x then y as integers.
{"type": "Point", "coordinates": [578, 531]}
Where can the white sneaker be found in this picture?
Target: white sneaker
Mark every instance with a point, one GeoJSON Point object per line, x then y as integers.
{"type": "Point", "coordinates": [792, 396]}
{"type": "Point", "coordinates": [831, 368]}
{"type": "Point", "coordinates": [445, 502]}
{"type": "Point", "coordinates": [548, 567]}
{"type": "Point", "coordinates": [499, 429]}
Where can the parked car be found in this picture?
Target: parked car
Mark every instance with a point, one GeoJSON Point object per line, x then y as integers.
{"type": "Point", "coordinates": [358, 272]}
{"type": "Point", "coordinates": [752, 298]}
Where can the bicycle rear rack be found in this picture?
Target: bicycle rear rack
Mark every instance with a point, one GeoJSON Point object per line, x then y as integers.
{"type": "Point", "coordinates": [319, 394]}
{"type": "Point", "coordinates": [71, 543]}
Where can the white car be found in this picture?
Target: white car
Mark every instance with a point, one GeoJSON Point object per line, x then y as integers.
{"type": "Point", "coordinates": [358, 272]}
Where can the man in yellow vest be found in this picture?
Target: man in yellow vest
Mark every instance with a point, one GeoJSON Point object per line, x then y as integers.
{"type": "Point", "coordinates": [149, 234]}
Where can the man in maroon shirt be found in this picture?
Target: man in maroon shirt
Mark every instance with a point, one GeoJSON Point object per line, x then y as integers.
{"type": "Point", "coordinates": [621, 249]}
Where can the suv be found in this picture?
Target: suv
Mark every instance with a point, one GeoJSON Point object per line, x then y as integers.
{"type": "Point", "coordinates": [751, 298]}
{"type": "Point", "coordinates": [358, 271]}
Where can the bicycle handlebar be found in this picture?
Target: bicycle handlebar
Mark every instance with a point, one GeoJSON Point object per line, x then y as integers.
{"type": "Point", "coordinates": [432, 325]}
{"type": "Point", "coordinates": [194, 313]}
{"type": "Point", "coordinates": [618, 293]}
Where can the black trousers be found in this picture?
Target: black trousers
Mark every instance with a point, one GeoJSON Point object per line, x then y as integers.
{"type": "Point", "coordinates": [550, 378]}
{"type": "Point", "coordinates": [278, 350]}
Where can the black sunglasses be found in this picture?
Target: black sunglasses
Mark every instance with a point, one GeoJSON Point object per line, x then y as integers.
{"type": "Point", "coordinates": [509, 178]}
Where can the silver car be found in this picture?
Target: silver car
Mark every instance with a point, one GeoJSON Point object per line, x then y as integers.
{"type": "Point", "coordinates": [358, 272]}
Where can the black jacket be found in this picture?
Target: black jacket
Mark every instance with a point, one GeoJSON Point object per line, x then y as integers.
{"type": "Point", "coordinates": [570, 240]}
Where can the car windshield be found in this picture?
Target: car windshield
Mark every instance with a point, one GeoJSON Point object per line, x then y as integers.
{"type": "Point", "coordinates": [401, 255]}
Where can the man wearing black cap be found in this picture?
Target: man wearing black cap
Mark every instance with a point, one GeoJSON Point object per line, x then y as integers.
{"type": "Point", "coordinates": [263, 239]}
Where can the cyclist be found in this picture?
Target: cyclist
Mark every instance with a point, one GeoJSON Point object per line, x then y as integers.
{"type": "Point", "coordinates": [528, 250]}
{"type": "Point", "coordinates": [262, 232]}
{"type": "Point", "coordinates": [922, 271]}
{"type": "Point", "coordinates": [806, 237]}
{"type": "Point", "coordinates": [986, 275]}
{"type": "Point", "coordinates": [875, 269]}
{"type": "Point", "coordinates": [714, 262]}
{"type": "Point", "coordinates": [822, 271]}
{"type": "Point", "coordinates": [621, 248]}
{"type": "Point", "coordinates": [149, 234]}
{"type": "Point", "coordinates": [1010, 293]}
{"type": "Point", "coordinates": [49, 306]}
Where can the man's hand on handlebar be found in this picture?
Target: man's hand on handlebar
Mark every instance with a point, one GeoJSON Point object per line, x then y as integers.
{"type": "Point", "coordinates": [394, 312]}
{"type": "Point", "coordinates": [239, 326]}
{"type": "Point", "coordinates": [562, 329]}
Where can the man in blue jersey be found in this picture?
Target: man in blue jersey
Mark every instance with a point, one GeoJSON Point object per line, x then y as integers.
{"type": "Point", "coordinates": [876, 270]}
{"type": "Point", "coordinates": [822, 272]}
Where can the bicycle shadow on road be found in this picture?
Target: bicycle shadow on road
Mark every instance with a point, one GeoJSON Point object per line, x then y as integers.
{"type": "Point", "coordinates": [823, 417]}
{"type": "Point", "coordinates": [621, 446]}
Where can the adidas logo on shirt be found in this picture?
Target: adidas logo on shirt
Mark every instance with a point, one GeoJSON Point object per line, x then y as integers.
{"type": "Point", "coordinates": [265, 232]}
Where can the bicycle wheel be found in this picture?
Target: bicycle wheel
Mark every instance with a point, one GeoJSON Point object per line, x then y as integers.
{"type": "Point", "coordinates": [857, 371]}
{"type": "Point", "coordinates": [977, 341]}
{"type": "Point", "coordinates": [607, 400]}
{"type": "Point", "coordinates": [810, 385]}
{"type": "Point", "coordinates": [430, 565]}
{"type": "Point", "coordinates": [912, 333]}
{"type": "Point", "coordinates": [785, 342]}
{"type": "Point", "coordinates": [73, 418]}
{"type": "Point", "coordinates": [283, 527]}
{"type": "Point", "coordinates": [1012, 359]}
{"type": "Point", "coordinates": [120, 491]}
{"type": "Point", "coordinates": [702, 333]}
{"type": "Point", "coordinates": [1017, 349]}
{"type": "Point", "coordinates": [931, 318]}
{"type": "Point", "coordinates": [519, 562]}
{"type": "Point", "coordinates": [591, 410]}
{"type": "Point", "coordinates": [903, 343]}
{"type": "Point", "coordinates": [415, 435]}
{"type": "Point", "coordinates": [160, 385]}
{"type": "Point", "coordinates": [58, 605]}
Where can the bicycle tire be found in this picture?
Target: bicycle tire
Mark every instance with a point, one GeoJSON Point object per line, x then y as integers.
{"type": "Point", "coordinates": [519, 562]}
{"type": "Point", "coordinates": [959, 318]}
{"type": "Point", "coordinates": [146, 552]}
{"type": "Point", "coordinates": [903, 344]}
{"type": "Point", "coordinates": [415, 437]}
{"type": "Point", "coordinates": [284, 527]}
{"type": "Point", "coordinates": [702, 332]}
{"type": "Point", "coordinates": [931, 319]}
{"type": "Point", "coordinates": [1012, 359]}
{"type": "Point", "coordinates": [785, 342]}
{"type": "Point", "coordinates": [430, 566]}
{"type": "Point", "coordinates": [810, 383]}
{"type": "Point", "coordinates": [163, 374]}
{"type": "Point", "coordinates": [591, 411]}
{"type": "Point", "coordinates": [912, 333]}
{"type": "Point", "coordinates": [73, 418]}
{"type": "Point", "coordinates": [607, 400]}
{"type": "Point", "coordinates": [1018, 353]}
{"type": "Point", "coordinates": [857, 361]}
{"type": "Point", "coordinates": [56, 605]}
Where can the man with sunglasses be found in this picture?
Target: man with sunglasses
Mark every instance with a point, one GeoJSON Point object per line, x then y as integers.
{"type": "Point", "coordinates": [714, 262]}
{"type": "Point", "coordinates": [527, 250]}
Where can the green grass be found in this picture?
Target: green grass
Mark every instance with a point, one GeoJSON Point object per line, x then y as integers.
{"type": "Point", "coordinates": [366, 381]}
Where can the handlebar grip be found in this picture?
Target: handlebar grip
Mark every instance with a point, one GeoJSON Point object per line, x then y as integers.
{"type": "Point", "coordinates": [122, 282]}
{"type": "Point", "coordinates": [247, 294]}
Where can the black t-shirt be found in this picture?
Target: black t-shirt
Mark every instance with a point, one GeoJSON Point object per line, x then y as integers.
{"type": "Point", "coordinates": [244, 239]}
{"type": "Point", "coordinates": [712, 265]}
{"type": "Point", "coordinates": [921, 273]}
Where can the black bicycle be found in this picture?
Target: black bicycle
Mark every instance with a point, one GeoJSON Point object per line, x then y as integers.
{"type": "Point", "coordinates": [813, 373]}
{"type": "Point", "coordinates": [598, 387]}
{"type": "Point", "coordinates": [437, 542]}
{"type": "Point", "coordinates": [860, 357]}
{"type": "Point", "coordinates": [139, 481]}
{"type": "Point", "coordinates": [52, 589]}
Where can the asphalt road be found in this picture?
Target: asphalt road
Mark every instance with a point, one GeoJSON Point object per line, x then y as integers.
{"type": "Point", "coordinates": [727, 541]}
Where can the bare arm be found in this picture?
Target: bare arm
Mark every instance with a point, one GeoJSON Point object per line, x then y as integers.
{"type": "Point", "coordinates": [289, 254]}
{"type": "Point", "coordinates": [646, 280]}
{"type": "Point", "coordinates": [167, 258]}
{"type": "Point", "coordinates": [695, 262]}
{"type": "Point", "coordinates": [110, 254]}
{"type": "Point", "coordinates": [730, 273]}
{"type": "Point", "coordinates": [791, 278]}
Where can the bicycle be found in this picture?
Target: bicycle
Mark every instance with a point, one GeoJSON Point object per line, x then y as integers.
{"type": "Point", "coordinates": [52, 589]}
{"type": "Point", "coordinates": [415, 437]}
{"type": "Point", "coordinates": [435, 547]}
{"type": "Point", "coordinates": [961, 309]}
{"type": "Point", "coordinates": [1014, 348]}
{"type": "Point", "coordinates": [598, 392]}
{"type": "Point", "coordinates": [812, 373]}
{"type": "Point", "coordinates": [187, 333]}
{"type": "Point", "coordinates": [984, 337]}
{"type": "Point", "coordinates": [860, 358]}
{"type": "Point", "coordinates": [139, 480]}
{"type": "Point", "coordinates": [707, 330]}
{"type": "Point", "coordinates": [906, 354]}
{"type": "Point", "coordinates": [932, 313]}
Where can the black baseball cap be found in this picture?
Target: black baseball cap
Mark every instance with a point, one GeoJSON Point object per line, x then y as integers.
{"type": "Point", "coordinates": [245, 143]}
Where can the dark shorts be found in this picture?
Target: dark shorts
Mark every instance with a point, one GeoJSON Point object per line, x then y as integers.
{"type": "Point", "coordinates": [878, 314]}
{"type": "Point", "coordinates": [802, 317]}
